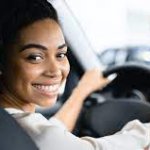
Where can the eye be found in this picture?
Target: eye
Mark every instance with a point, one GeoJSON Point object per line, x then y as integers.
{"type": "Point", "coordinates": [34, 58]}
{"type": "Point", "coordinates": [61, 55]}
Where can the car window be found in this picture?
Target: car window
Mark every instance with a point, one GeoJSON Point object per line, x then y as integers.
{"type": "Point", "coordinates": [113, 23]}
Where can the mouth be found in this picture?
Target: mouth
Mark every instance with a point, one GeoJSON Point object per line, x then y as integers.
{"type": "Point", "coordinates": [47, 90]}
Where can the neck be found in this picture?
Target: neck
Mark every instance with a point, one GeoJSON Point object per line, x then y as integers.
{"type": "Point", "coordinates": [10, 102]}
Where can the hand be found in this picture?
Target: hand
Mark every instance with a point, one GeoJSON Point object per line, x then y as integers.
{"type": "Point", "coordinates": [146, 148]}
{"type": "Point", "coordinates": [91, 81]}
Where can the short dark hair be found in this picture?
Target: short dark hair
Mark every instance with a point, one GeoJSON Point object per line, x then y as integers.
{"type": "Point", "coordinates": [17, 14]}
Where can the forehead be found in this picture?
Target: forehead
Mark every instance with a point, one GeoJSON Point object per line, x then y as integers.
{"type": "Point", "coordinates": [46, 32]}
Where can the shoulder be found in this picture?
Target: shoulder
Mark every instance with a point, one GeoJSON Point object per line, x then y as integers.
{"type": "Point", "coordinates": [33, 123]}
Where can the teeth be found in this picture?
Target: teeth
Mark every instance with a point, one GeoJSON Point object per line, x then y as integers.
{"type": "Point", "coordinates": [47, 88]}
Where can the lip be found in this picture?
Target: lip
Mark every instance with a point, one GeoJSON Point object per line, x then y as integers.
{"type": "Point", "coordinates": [50, 90]}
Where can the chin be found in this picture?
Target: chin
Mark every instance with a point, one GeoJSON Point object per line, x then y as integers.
{"type": "Point", "coordinates": [49, 102]}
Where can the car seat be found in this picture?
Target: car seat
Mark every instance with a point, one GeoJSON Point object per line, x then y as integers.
{"type": "Point", "coordinates": [12, 136]}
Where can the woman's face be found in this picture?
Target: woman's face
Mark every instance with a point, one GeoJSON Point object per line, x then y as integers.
{"type": "Point", "coordinates": [37, 64]}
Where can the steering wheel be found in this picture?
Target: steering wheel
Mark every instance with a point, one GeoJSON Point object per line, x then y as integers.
{"type": "Point", "coordinates": [110, 116]}
{"type": "Point", "coordinates": [128, 68]}
{"type": "Point", "coordinates": [132, 81]}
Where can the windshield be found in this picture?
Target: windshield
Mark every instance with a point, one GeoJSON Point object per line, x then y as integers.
{"type": "Point", "coordinates": [113, 23]}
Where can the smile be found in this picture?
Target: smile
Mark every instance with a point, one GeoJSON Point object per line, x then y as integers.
{"type": "Point", "coordinates": [47, 89]}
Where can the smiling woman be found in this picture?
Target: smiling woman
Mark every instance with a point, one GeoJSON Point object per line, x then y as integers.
{"type": "Point", "coordinates": [41, 63]}
{"type": "Point", "coordinates": [33, 67]}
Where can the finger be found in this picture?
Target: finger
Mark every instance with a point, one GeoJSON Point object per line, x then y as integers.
{"type": "Point", "coordinates": [112, 77]}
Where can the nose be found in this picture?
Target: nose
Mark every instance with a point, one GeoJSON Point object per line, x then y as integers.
{"type": "Point", "coordinates": [53, 69]}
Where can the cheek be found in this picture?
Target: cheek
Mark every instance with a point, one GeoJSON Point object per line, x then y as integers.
{"type": "Point", "coordinates": [23, 73]}
{"type": "Point", "coordinates": [66, 68]}
{"type": "Point", "coordinates": [29, 73]}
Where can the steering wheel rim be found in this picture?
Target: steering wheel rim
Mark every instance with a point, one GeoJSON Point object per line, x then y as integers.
{"type": "Point", "coordinates": [128, 67]}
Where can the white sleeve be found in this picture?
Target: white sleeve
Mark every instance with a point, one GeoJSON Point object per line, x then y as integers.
{"type": "Point", "coordinates": [54, 121]}
{"type": "Point", "coordinates": [134, 136]}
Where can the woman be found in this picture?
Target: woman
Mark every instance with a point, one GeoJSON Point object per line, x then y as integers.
{"type": "Point", "coordinates": [33, 67]}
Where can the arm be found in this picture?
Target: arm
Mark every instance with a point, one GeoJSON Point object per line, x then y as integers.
{"type": "Point", "coordinates": [91, 81]}
{"type": "Point", "coordinates": [135, 136]}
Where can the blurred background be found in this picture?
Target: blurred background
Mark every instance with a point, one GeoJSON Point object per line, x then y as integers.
{"type": "Point", "coordinates": [117, 30]}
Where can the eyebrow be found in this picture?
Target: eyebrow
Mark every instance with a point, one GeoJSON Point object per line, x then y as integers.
{"type": "Point", "coordinates": [62, 46]}
{"type": "Point", "coordinates": [32, 45]}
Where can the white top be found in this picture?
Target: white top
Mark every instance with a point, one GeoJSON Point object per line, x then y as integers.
{"type": "Point", "coordinates": [52, 135]}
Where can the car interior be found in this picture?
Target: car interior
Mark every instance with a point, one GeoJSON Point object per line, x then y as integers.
{"type": "Point", "coordinates": [124, 99]}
